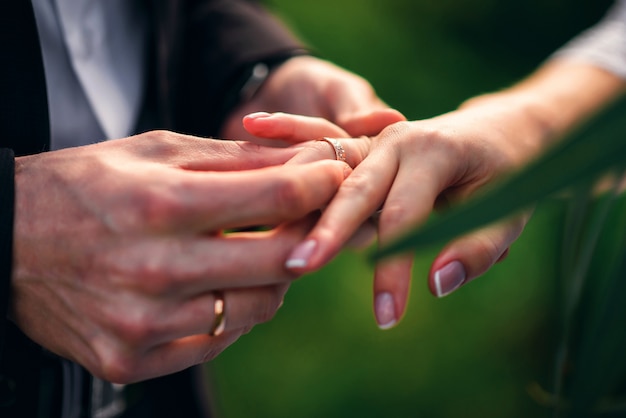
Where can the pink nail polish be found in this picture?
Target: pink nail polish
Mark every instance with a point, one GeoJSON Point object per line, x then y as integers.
{"type": "Point", "coordinates": [385, 310]}
{"type": "Point", "coordinates": [299, 257]}
{"type": "Point", "coordinates": [449, 278]}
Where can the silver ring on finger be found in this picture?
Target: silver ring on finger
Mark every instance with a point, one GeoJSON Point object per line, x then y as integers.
{"type": "Point", "coordinates": [340, 152]}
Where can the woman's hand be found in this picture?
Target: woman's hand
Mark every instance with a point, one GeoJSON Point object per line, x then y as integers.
{"type": "Point", "coordinates": [399, 177]}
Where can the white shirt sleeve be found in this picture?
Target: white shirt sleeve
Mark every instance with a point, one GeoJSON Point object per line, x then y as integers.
{"type": "Point", "coordinates": [603, 45]}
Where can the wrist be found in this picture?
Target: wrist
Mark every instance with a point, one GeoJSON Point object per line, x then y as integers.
{"type": "Point", "coordinates": [524, 125]}
{"type": "Point", "coordinates": [548, 106]}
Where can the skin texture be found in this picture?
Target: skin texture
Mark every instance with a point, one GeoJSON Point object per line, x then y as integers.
{"type": "Point", "coordinates": [119, 245]}
{"type": "Point", "coordinates": [310, 86]}
{"type": "Point", "coordinates": [412, 168]}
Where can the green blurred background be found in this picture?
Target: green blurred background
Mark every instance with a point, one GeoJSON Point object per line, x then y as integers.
{"type": "Point", "coordinates": [476, 353]}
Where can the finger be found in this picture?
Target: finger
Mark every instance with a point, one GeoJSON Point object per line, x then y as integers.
{"type": "Point", "coordinates": [361, 194]}
{"type": "Point", "coordinates": [273, 195]}
{"type": "Point", "coordinates": [472, 255]}
{"type": "Point", "coordinates": [184, 267]}
{"type": "Point", "coordinates": [392, 279]}
{"type": "Point", "coordinates": [405, 207]}
{"type": "Point", "coordinates": [292, 128]}
{"type": "Point", "coordinates": [195, 153]}
{"type": "Point", "coordinates": [243, 308]}
{"type": "Point", "coordinates": [348, 99]}
{"type": "Point", "coordinates": [221, 155]}
{"type": "Point", "coordinates": [354, 151]}
{"type": "Point", "coordinates": [370, 123]}
{"type": "Point", "coordinates": [201, 202]}
{"type": "Point", "coordinates": [165, 359]}
{"type": "Point", "coordinates": [363, 237]}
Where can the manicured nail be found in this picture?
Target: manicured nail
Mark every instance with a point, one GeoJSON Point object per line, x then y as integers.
{"type": "Point", "coordinates": [385, 310]}
{"type": "Point", "coordinates": [258, 115]}
{"type": "Point", "coordinates": [299, 257]}
{"type": "Point", "coordinates": [449, 278]}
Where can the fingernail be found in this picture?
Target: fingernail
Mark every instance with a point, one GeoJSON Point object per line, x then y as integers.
{"type": "Point", "coordinates": [385, 310]}
{"type": "Point", "coordinates": [299, 257]}
{"type": "Point", "coordinates": [258, 115]}
{"type": "Point", "coordinates": [449, 278]}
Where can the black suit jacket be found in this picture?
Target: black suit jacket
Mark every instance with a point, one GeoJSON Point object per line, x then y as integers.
{"type": "Point", "coordinates": [201, 51]}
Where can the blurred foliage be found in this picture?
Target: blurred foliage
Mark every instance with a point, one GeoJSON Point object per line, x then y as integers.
{"type": "Point", "coordinates": [477, 353]}
{"type": "Point", "coordinates": [425, 57]}
{"type": "Point", "coordinates": [590, 369]}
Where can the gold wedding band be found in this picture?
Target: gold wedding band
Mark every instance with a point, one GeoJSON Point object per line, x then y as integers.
{"type": "Point", "coordinates": [219, 323]}
{"type": "Point", "coordinates": [340, 152]}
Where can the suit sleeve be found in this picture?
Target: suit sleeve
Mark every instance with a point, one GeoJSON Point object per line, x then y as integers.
{"type": "Point", "coordinates": [223, 40]}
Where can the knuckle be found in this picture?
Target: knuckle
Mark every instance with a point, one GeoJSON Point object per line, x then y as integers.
{"type": "Point", "coordinates": [489, 246]}
{"type": "Point", "coordinates": [134, 329]}
{"type": "Point", "coordinates": [154, 280]}
{"type": "Point", "coordinates": [395, 216]}
{"type": "Point", "coordinates": [160, 144]}
{"type": "Point", "coordinates": [425, 137]}
{"type": "Point", "coordinates": [289, 198]}
{"type": "Point", "coordinates": [357, 184]}
{"type": "Point", "coordinates": [397, 130]}
{"type": "Point", "coordinates": [132, 270]}
{"type": "Point", "coordinates": [119, 369]}
{"type": "Point", "coordinates": [155, 208]}
{"type": "Point", "coordinates": [115, 367]}
{"type": "Point", "coordinates": [160, 135]}
{"type": "Point", "coordinates": [486, 252]}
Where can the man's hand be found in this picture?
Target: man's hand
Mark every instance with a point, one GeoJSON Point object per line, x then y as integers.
{"type": "Point", "coordinates": [120, 246]}
{"type": "Point", "coordinates": [313, 87]}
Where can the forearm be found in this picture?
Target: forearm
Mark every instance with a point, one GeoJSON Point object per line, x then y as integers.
{"type": "Point", "coordinates": [551, 102]}
{"type": "Point", "coordinates": [578, 80]}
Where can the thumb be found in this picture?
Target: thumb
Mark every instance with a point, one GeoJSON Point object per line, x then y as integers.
{"type": "Point", "coordinates": [369, 123]}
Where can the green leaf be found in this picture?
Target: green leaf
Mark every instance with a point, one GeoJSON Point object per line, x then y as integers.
{"type": "Point", "coordinates": [594, 149]}
{"type": "Point", "coordinates": [580, 281]}
{"type": "Point", "coordinates": [599, 364]}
